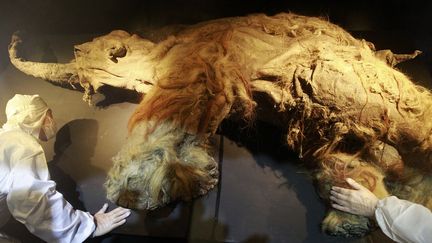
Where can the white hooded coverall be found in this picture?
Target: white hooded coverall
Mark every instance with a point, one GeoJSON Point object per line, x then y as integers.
{"type": "Point", "coordinates": [404, 221]}
{"type": "Point", "coordinates": [26, 191]}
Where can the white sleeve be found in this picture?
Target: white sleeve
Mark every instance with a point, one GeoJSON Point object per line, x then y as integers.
{"type": "Point", "coordinates": [404, 221]}
{"type": "Point", "coordinates": [34, 201]}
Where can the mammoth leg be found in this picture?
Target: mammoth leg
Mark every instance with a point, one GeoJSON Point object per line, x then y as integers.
{"type": "Point", "coordinates": [415, 186]}
{"type": "Point", "coordinates": [162, 166]}
{"type": "Point", "coordinates": [333, 171]}
{"type": "Point", "coordinates": [394, 59]}
{"type": "Point", "coordinates": [387, 158]}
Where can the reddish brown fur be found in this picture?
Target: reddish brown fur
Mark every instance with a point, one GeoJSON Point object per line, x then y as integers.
{"type": "Point", "coordinates": [197, 98]}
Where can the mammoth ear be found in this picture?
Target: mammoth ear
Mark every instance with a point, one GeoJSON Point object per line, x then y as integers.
{"type": "Point", "coordinates": [116, 52]}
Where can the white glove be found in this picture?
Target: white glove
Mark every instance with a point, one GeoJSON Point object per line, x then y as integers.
{"type": "Point", "coordinates": [105, 222]}
{"type": "Point", "coordinates": [359, 200]}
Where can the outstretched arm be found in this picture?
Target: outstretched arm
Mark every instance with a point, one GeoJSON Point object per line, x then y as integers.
{"type": "Point", "coordinates": [401, 220]}
{"type": "Point", "coordinates": [33, 200]}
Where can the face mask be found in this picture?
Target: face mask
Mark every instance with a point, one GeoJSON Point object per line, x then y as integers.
{"type": "Point", "coordinates": [49, 128]}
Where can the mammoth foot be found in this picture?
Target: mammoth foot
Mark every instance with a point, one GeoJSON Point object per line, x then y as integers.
{"type": "Point", "coordinates": [206, 186]}
{"type": "Point", "coordinates": [346, 225]}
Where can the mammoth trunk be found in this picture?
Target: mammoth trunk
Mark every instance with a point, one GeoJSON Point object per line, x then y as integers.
{"type": "Point", "coordinates": [160, 164]}
{"type": "Point", "coordinates": [55, 72]}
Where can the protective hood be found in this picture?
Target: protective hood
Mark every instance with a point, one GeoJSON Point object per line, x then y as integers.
{"type": "Point", "coordinates": [26, 112]}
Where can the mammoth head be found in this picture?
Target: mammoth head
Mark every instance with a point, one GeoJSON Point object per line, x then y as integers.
{"type": "Point", "coordinates": [107, 60]}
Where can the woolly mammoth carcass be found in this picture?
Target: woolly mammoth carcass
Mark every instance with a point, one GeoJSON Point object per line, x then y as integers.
{"type": "Point", "coordinates": [347, 111]}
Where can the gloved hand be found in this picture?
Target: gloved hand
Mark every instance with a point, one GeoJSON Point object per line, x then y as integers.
{"type": "Point", "coordinates": [359, 201]}
{"type": "Point", "coordinates": [105, 222]}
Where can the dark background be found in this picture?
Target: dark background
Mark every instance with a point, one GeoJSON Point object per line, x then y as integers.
{"type": "Point", "coordinates": [412, 18]}
{"type": "Point", "coordinates": [82, 16]}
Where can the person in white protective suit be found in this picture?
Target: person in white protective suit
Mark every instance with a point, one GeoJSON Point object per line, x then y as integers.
{"type": "Point", "coordinates": [26, 191]}
{"type": "Point", "coordinates": [401, 220]}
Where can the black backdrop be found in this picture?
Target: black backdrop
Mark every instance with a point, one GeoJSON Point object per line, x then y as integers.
{"type": "Point", "coordinates": [84, 16]}
{"type": "Point", "coordinates": [411, 19]}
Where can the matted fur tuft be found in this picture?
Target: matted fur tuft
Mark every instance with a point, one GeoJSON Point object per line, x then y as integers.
{"type": "Point", "coordinates": [166, 165]}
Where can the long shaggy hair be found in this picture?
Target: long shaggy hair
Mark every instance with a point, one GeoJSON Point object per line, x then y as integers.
{"type": "Point", "coordinates": [347, 110]}
{"type": "Point", "coordinates": [166, 165]}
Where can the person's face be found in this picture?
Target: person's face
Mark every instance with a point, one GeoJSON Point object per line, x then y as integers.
{"type": "Point", "coordinates": [48, 128]}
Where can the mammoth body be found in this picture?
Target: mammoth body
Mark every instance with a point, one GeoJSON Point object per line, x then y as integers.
{"type": "Point", "coordinates": [347, 111]}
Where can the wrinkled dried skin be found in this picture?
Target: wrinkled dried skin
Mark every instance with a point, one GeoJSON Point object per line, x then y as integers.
{"type": "Point", "coordinates": [345, 107]}
{"type": "Point", "coordinates": [118, 59]}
